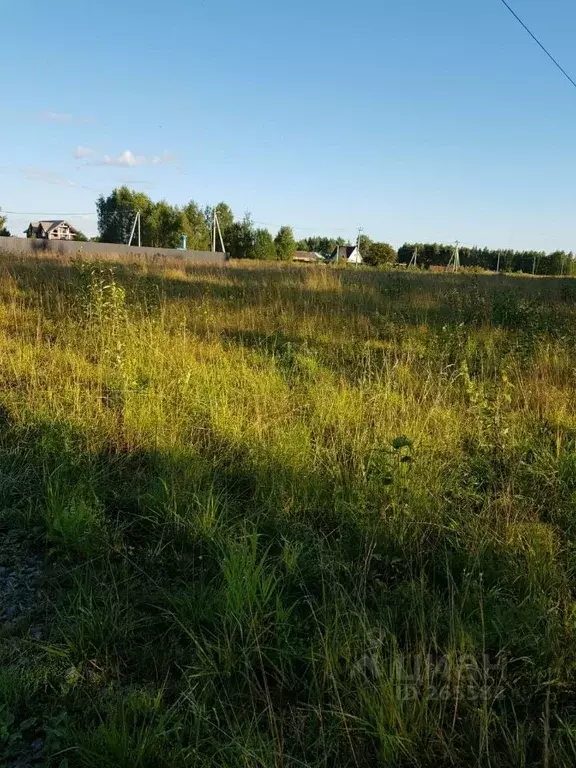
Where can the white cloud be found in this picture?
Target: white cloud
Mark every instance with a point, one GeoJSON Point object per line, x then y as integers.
{"type": "Point", "coordinates": [57, 117]}
{"type": "Point", "coordinates": [82, 152]}
{"type": "Point", "coordinates": [126, 159]}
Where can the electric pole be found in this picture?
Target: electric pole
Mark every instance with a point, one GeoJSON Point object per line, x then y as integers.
{"type": "Point", "coordinates": [136, 222]}
{"type": "Point", "coordinates": [455, 258]}
{"type": "Point", "coordinates": [219, 233]}
{"type": "Point", "coordinates": [359, 255]}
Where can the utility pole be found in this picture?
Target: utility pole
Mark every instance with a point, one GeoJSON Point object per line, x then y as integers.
{"type": "Point", "coordinates": [359, 255]}
{"type": "Point", "coordinates": [136, 221]}
{"type": "Point", "coordinates": [455, 258]}
{"type": "Point", "coordinates": [498, 264]}
{"type": "Point", "coordinates": [219, 233]}
{"type": "Point", "coordinates": [534, 264]}
{"type": "Point", "coordinates": [213, 230]}
{"type": "Point", "coordinates": [414, 259]}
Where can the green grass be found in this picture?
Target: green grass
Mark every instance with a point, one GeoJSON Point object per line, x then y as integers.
{"type": "Point", "coordinates": [287, 517]}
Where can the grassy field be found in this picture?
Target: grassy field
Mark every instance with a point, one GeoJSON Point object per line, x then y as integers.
{"type": "Point", "coordinates": [276, 516]}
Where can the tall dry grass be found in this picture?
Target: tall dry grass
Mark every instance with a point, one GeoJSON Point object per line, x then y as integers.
{"type": "Point", "coordinates": [288, 516]}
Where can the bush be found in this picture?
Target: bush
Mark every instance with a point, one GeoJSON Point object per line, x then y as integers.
{"type": "Point", "coordinates": [379, 254]}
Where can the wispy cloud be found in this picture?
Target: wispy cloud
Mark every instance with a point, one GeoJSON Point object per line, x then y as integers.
{"type": "Point", "coordinates": [38, 174]}
{"type": "Point", "coordinates": [31, 173]}
{"type": "Point", "coordinates": [56, 117]}
{"type": "Point", "coordinates": [81, 152]}
{"type": "Point", "coordinates": [166, 158]}
{"type": "Point", "coordinates": [52, 116]}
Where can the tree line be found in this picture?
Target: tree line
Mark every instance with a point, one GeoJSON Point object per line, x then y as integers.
{"type": "Point", "coordinates": [162, 224]}
{"type": "Point", "coordinates": [537, 262]}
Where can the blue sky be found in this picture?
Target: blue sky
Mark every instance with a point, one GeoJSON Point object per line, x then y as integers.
{"type": "Point", "coordinates": [428, 120]}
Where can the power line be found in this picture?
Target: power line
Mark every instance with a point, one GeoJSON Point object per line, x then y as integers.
{"type": "Point", "coordinates": [546, 51]}
{"type": "Point", "coordinates": [44, 213]}
{"type": "Point", "coordinates": [93, 213]}
{"type": "Point", "coordinates": [306, 229]}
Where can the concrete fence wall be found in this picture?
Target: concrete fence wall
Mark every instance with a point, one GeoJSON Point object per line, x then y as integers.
{"type": "Point", "coordinates": [37, 247]}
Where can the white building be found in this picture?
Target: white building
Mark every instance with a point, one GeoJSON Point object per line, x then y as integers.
{"type": "Point", "coordinates": [347, 253]}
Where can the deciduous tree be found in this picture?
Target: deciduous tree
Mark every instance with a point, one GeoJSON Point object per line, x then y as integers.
{"type": "Point", "coordinates": [3, 231]}
{"type": "Point", "coordinates": [195, 227]}
{"type": "Point", "coordinates": [364, 242]}
{"type": "Point", "coordinates": [264, 247]}
{"type": "Point", "coordinates": [323, 245]}
{"type": "Point", "coordinates": [225, 220]}
{"type": "Point", "coordinates": [116, 214]}
{"type": "Point", "coordinates": [379, 254]}
{"type": "Point", "coordinates": [240, 243]}
{"type": "Point", "coordinates": [285, 244]}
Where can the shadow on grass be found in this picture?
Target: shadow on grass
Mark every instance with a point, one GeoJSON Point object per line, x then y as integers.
{"type": "Point", "coordinates": [170, 569]}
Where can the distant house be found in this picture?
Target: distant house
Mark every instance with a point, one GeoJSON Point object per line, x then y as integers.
{"type": "Point", "coordinates": [55, 229]}
{"type": "Point", "coordinates": [308, 257]}
{"type": "Point", "coordinates": [346, 253]}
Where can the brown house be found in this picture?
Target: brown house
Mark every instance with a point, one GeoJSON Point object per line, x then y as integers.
{"type": "Point", "coordinates": [55, 229]}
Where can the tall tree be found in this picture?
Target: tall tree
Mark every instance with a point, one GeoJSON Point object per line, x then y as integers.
{"type": "Point", "coordinates": [163, 225]}
{"type": "Point", "coordinates": [225, 216]}
{"type": "Point", "coordinates": [196, 228]}
{"type": "Point", "coordinates": [264, 248]}
{"type": "Point", "coordinates": [116, 214]}
{"type": "Point", "coordinates": [3, 231]}
{"type": "Point", "coordinates": [365, 242]}
{"type": "Point", "coordinates": [285, 244]}
{"type": "Point", "coordinates": [225, 219]}
{"type": "Point", "coordinates": [240, 243]}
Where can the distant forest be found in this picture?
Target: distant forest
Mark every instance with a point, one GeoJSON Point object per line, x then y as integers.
{"type": "Point", "coordinates": [434, 255]}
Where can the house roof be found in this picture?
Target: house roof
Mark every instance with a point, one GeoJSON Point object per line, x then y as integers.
{"type": "Point", "coordinates": [305, 256]}
{"type": "Point", "coordinates": [343, 251]}
{"type": "Point", "coordinates": [348, 253]}
{"type": "Point", "coordinates": [49, 224]}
